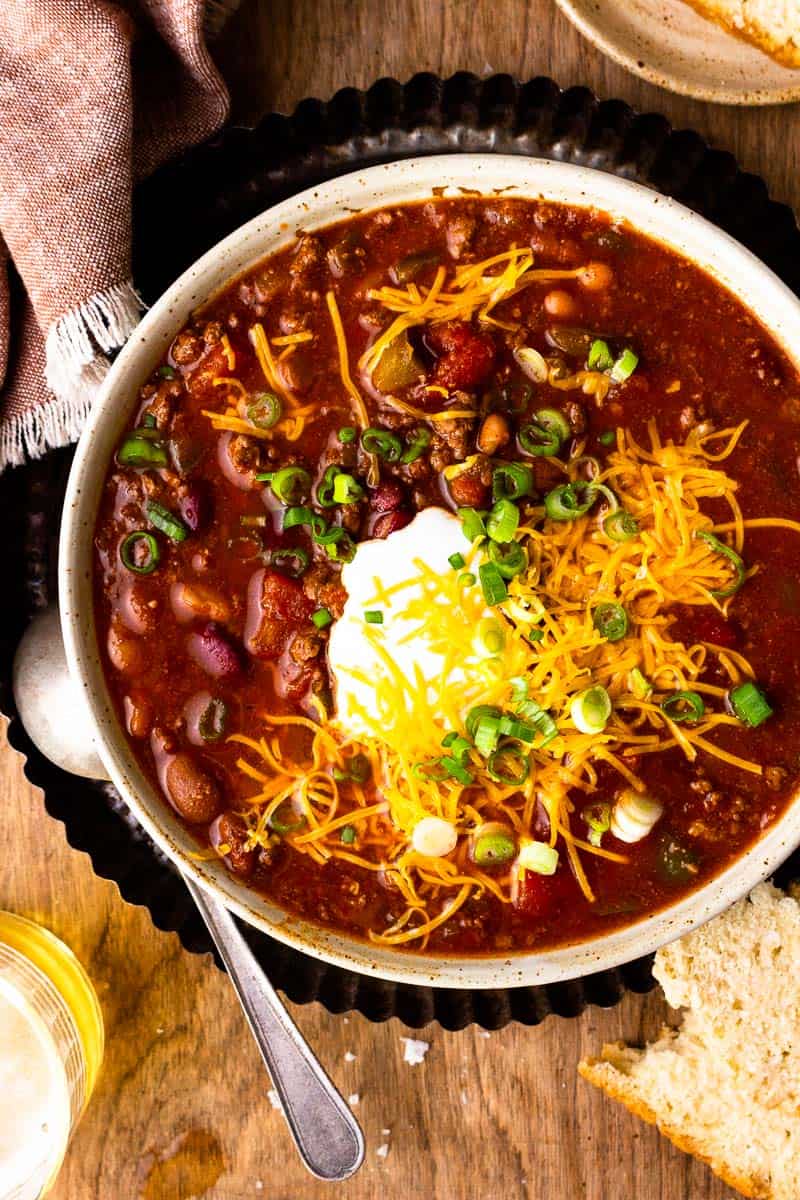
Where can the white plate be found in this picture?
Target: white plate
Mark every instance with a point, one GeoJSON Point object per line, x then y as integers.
{"type": "Point", "coordinates": [669, 44]}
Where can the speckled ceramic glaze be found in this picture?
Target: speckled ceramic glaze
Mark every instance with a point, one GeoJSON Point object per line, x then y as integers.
{"type": "Point", "coordinates": [669, 44]}
{"type": "Point", "coordinates": [409, 180]}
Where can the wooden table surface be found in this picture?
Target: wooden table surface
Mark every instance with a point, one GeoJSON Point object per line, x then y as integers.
{"type": "Point", "coordinates": [181, 1109]}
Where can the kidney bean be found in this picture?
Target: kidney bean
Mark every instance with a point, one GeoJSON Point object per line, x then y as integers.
{"type": "Point", "coordinates": [392, 521]}
{"type": "Point", "coordinates": [230, 830]}
{"type": "Point", "coordinates": [215, 652]}
{"type": "Point", "coordinates": [465, 357]}
{"type": "Point", "coordinates": [387, 496]}
{"type": "Point", "coordinates": [193, 792]}
{"type": "Point", "coordinates": [195, 505]}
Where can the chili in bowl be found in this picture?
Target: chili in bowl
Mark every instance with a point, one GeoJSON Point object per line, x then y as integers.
{"type": "Point", "coordinates": [434, 587]}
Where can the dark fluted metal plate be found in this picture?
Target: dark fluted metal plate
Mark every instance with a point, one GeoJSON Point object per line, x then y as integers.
{"type": "Point", "coordinates": [183, 210]}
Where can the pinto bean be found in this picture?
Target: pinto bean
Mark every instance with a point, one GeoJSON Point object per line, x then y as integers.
{"type": "Point", "coordinates": [138, 715]}
{"type": "Point", "coordinates": [495, 433]}
{"type": "Point", "coordinates": [560, 304]}
{"type": "Point", "coordinates": [468, 490]}
{"type": "Point", "coordinates": [124, 651]}
{"type": "Point", "coordinates": [195, 505]}
{"type": "Point", "coordinates": [596, 277]}
{"type": "Point", "coordinates": [193, 792]}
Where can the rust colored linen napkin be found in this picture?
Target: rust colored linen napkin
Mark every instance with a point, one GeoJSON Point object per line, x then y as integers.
{"type": "Point", "coordinates": [94, 94]}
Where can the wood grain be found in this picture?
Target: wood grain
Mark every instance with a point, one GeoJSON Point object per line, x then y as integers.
{"type": "Point", "coordinates": [181, 1108]}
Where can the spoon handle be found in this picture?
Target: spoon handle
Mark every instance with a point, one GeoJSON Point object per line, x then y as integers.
{"type": "Point", "coordinates": [325, 1131]}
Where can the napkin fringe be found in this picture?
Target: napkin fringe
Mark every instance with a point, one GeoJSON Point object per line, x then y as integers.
{"type": "Point", "coordinates": [55, 423]}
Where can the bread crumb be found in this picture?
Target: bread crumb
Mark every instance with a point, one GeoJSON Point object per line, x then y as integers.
{"type": "Point", "coordinates": [385, 1132]}
{"type": "Point", "coordinates": [382, 1151]}
{"type": "Point", "coordinates": [414, 1051]}
{"type": "Point", "coordinates": [349, 1056]}
{"type": "Point", "coordinates": [274, 1099]}
{"type": "Point", "coordinates": [353, 1099]}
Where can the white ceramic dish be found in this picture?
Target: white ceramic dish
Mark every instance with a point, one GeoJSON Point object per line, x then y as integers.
{"type": "Point", "coordinates": [669, 44]}
{"type": "Point", "coordinates": [411, 180]}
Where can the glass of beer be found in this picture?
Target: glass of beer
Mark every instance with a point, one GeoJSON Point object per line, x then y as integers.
{"type": "Point", "coordinates": [51, 1046]}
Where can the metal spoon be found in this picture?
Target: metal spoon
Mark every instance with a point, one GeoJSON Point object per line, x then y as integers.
{"type": "Point", "coordinates": [54, 713]}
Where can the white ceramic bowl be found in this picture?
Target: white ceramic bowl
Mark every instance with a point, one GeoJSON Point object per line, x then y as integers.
{"type": "Point", "coordinates": [399, 182]}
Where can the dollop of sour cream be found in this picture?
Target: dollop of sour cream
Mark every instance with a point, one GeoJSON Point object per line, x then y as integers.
{"type": "Point", "coordinates": [378, 567]}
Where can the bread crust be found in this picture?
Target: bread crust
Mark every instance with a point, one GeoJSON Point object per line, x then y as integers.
{"type": "Point", "coordinates": [604, 1075]}
{"type": "Point", "coordinates": [787, 54]}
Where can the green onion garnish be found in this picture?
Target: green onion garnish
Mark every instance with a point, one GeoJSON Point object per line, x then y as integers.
{"type": "Point", "coordinates": [452, 767]}
{"type": "Point", "coordinates": [683, 706]}
{"type": "Point", "coordinates": [624, 367]}
{"type": "Point", "coordinates": [511, 481]}
{"type": "Point", "coordinates": [538, 716]}
{"type": "Point", "coordinates": [611, 621]}
{"type": "Point", "coordinates": [293, 560]}
{"type": "Point", "coordinates": [416, 445]}
{"type": "Point", "coordinates": [213, 720]}
{"type": "Point", "coordinates": [539, 857]}
{"type": "Point", "coordinates": [140, 553]}
{"type": "Point", "coordinates": [142, 448]}
{"type": "Point", "coordinates": [264, 411]}
{"type": "Point", "coordinates": [356, 768]}
{"type": "Point", "coordinates": [382, 443]}
{"type": "Point", "coordinates": [750, 704]}
{"type": "Point", "coordinates": [348, 835]}
{"type": "Point", "coordinates": [607, 438]}
{"type": "Point", "coordinates": [347, 434]}
{"type": "Point", "coordinates": [620, 526]}
{"type": "Point", "coordinates": [291, 485]}
{"type": "Point", "coordinates": [509, 560]}
{"type": "Point", "coordinates": [546, 434]}
{"type": "Point", "coordinates": [494, 849]}
{"type": "Point", "coordinates": [458, 746]}
{"type": "Point", "coordinates": [570, 500]}
{"type": "Point", "coordinates": [472, 523]}
{"type": "Point", "coordinates": [487, 735]}
{"type": "Point", "coordinates": [502, 522]}
{"type": "Point", "coordinates": [492, 584]}
{"type": "Point", "coordinates": [373, 616]}
{"type": "Point", "coordinates": [519, 689]}
{"type": "Point", "coordinates": [600, 357]}
{"type": "Point", "coordinates": [640, 685]}
{"type": "Point", "coordinates": [733, 557]}
{"type": "Point", "coordinates": [346, 490]}
{"type": "Point", "coordinates": [286, 819]}
{"type": "Point", "coordinates": [163, 520]}
{"type": "Point", "coordinates": [343, 549]}
{"type": "Point", "coordinates": [324, 490]}
{"type": "Point", "coordinates": [322, 618]}
{"type": "Point", "coordinates": [591, 709]}
{"type": "Point", "coordinates": [491, 635]}
{"type": "Point", "coordinates": [476, 714]}
{"type": "Point", "coordinates": [456, 561]}
{"type": "Point", "coordinates": [167, 372]}
{"type": "Point", "coordinates": [299, 514]}
{"type": "Point", "coordinates": [508, 765]}
{"type": "Point", "coordinates": [598, 819]}
{"type": "Point", "coordinates": [466, 579]}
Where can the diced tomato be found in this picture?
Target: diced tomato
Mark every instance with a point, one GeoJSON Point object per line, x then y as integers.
{"type": "Point", "coordinates": [705, 625]}
{"type": "Point", "coordinates": [274, 614]}
{"type": "Point", "coordinates": [465, 357]}
{"type": "Point", "coordinates": [284, 598]}
{"type": "Point", "coordinates": [538, 896]}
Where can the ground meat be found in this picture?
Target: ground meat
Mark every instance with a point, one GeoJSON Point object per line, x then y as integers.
{"type": "Point", "coordinates": [162, 405]}
{"type": "Point", "coordinates": [465, 358]}
{"type": "Point", "coordinates": [186, 348]}
{"type": "Point", "coordinates": [323, 585]}
{"type": "Point", "coordinates": [458, 436]}
{"type": "Point", "coordinates": [304, 647]}
{"type": "Point", "coordinates": [244, 452]}
{"type": "Point", "coordinates": [775, 777]}
{"type": "Point", "coordinates": [282, 609]}
{"type": "Point", "coordinates": [576, 416]}
{"type": "Point", "coordinates": [460, 233]}
{"type": "Point", "coordinates": [212, 333]}
{"type": "Point", "coordinates": [309, 254]}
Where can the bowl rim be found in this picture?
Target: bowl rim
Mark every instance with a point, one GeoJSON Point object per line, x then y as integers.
{"type": "Point", "coordinates": [399, 182]}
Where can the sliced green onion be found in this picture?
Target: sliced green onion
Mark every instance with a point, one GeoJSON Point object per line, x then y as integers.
{"type": "Point", "coordinates": [293, 560]}
{"type": "Point", "coordinates": [458, 746]}
{"type": "Point", "coordinates": [620, 525]}
{"type": "Point", "coordinates": [299, 514]}
{"type": "Point", "coordinates": [346, 490]}
{"type": "Point", "coordinates": [591, 709]}
{"type": "Point", "coordinates": [570, 500]}
{"type": "Point", "coordinates": [322, 618]}
{"type": "Point", "coordinates": [347, 434]}
{"type": "Point", "coordinates": [733, 557]}
{"type": "Point", "coordinates": [522, 732]}
{"type": "Point", "coordinates": [356, 768]}
{"type": "Point", "coordinates": [348, 835]}
{"type": "Point", "coordinates": [342, 550]}
{"type": "Point", "coordinates": [163, 520]}
{"type": "Point", "coordinates": [492, 584]}
{"type": "Point", "coordinates": [608, 496]}
{"type": "Point", "coordinates": [213, 720]}
{"type": "Point", "coordinates": [472, 523]}
{"type": "Point", "coordinates": [131, 552]}
{"type": "Point", "coordinates": [291, 485]}
{"type": "Point", "coordinates": [509, 560]}
{"type": "Point", "coordinates": [487, 735]}
{"type": "Point", "coordinates": [598, 820]}
{"type": "Point", "coordinates": [494, 849]}
{"type": "Point", "coordinates": [328, 535]}
{"type": "Point", "coordinates": [167, 372]}
{"type": "Point", "coordinates": [503, 521]}
{"type": "Point", "coordinates": [491, 635]}
{"type": "Point", "coordinates": [476, 714]}
{"type": "Point", "coordinates": [264, 411]}
{"type": "Point", "coordinates": [265, 476]}
{"type": "Point", "coordinates": [607, 438]}
{"type": "Point", "coordinates": [148, 421]}
{"type": "Point", "coordinates": [539, 857]}
{"type": "Point", "coordinates": [453, 767]}
{"type": "Point", "coordinates": [511, 481]}
{"type": "Point", "coordinates": [373, 616]}
{"type": "Point", "coordinates": [416, 445]}
{"type": "Point", "coordinates": [640, 685]}
{"type": "Point", "coordinates": [750, 704]}
{"type": "Point", "coordinates": [324, 491]}
{"type": "Point", "coordinates": [466, 579]}
{"type": "Point", "coordinates": [546, 434]}
{"type": "Point", "coordinates": [519, 689]}
{"type": "Point", "coordinates": [600, 357]}
{"type": "Point", "coordinates": [286, 819]}
{"type": "Point", "coordinates": [611, 621]}
{"type": "Point", "coordinates": [142, 448]}
{"type": "Point", "coordinates": [624, 367]}
{"type": "Point", "coordinates": [508, 765]}
{"type": "Point", "coordinates": [532, 711]}
{"type": "Point", "coordinates": [379, 441]}
{"type": "Point", "coordinates": [457, 561]}
{"type": "Point", "coordinates": [683, 706]}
